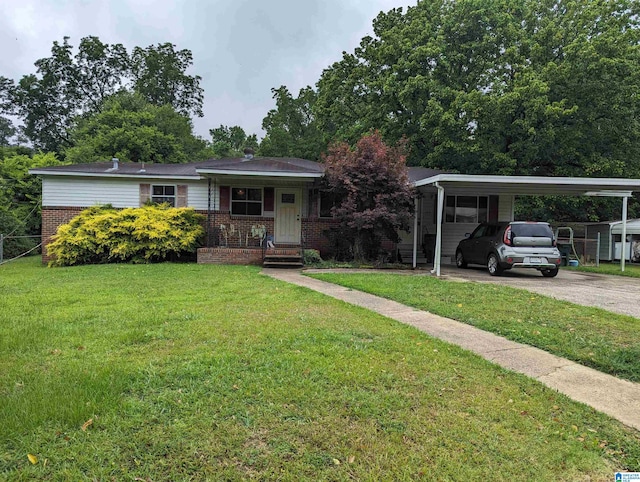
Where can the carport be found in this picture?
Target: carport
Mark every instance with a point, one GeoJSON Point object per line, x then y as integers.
{"type": "Point", "coordinates": [504, 188]}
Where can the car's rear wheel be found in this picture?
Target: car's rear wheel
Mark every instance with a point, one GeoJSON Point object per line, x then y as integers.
{"type": "Point", "coordinates": [493, 265]}
{"type": "Point", "coordinates": [460, 261]}
{"type": "Point", "coordinates": [549, 273]}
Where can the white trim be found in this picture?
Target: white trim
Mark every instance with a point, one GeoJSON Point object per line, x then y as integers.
{"type": "Point", "coordinates": [535, 180]}
{"type": "Point", "coordinates": [118, 176]}
{"type": "Point", "coordinates": [175, 193]}
{"type": "Point", "coordinates": [305, 175]}
{"type": "Point", "coordinates": [231, 201]}
{"type": "Point", "coordinates": [296, 238]}
{"type": "Point", "coordinates": [455, 209]}
{"type": "Point", "coordinates": [605, 193]}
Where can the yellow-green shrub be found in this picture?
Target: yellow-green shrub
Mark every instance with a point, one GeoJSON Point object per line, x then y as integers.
{"type": "Point", "coordinates": [103, 234]}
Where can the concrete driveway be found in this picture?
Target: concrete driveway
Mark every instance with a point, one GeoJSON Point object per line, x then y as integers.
{"type": "Point", "coordinates": [613, 293]}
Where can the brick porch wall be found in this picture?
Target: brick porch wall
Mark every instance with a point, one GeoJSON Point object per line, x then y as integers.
{"type": "Point", "coordinates": [221, 255]}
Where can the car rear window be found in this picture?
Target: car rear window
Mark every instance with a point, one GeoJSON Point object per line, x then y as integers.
{"type": "Point", "coordinates": [531, 231]}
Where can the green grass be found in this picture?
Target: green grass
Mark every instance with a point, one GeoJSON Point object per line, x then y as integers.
{"type": "Point", "coordinates": [593, 337]}
{"type": "Point", "coordinates": [219, 373]}
{"type": "Point", "coordinates": [630, 270]}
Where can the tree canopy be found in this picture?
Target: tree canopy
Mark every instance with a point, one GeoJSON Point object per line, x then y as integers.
{"type": "Point", "coordinates": [68, 86]}
{"type": "Point", "coordinates": [231, 141]}
{"type": "Point", "coordinates": [291, 129]}
{"type": "Point", "coordinates": [131, 129]}
{"type": "Point", "coordinates": [535, 87]}
{"type": "Point", "coordinates": [20, 197]}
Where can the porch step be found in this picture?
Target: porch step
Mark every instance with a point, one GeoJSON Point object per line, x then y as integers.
{"type": "Point", "coordinates": [406, 254]}
{"type": "Point", "coordinates": [283, 261]}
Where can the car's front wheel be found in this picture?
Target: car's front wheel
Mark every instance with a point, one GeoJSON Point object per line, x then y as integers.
{"type": "Point", "coordinates": [460, 261]}
{"type": "Point", "coordinates": [493, 265]}
{"type": "Point", "coordinates": [549, 273]}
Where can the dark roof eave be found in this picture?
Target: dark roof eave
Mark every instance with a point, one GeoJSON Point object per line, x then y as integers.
{"type": "Point", "coordinates": [283, 174]}
{"type": "Point", "coordinates": [113, 175]}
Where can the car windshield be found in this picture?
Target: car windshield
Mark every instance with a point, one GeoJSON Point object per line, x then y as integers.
{"type": "Point", "coordinates": [531, 230]}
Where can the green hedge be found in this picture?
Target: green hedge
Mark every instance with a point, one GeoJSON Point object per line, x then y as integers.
{"type": "Point", "coordinates": [103, 234]}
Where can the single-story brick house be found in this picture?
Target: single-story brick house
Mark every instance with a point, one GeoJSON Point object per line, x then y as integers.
{"type": "Point", "coordinates": [244, 198]}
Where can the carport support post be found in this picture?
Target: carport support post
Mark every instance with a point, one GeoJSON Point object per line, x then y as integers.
{"type": "Point", "coordinates": [415, 232]}
{"type": "Point", "coordinates": [624, 232]}
{"type": "Point", "coordinates": [438, 250]}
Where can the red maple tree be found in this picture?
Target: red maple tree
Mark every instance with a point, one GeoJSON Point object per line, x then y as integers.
{"type": "Point", "coordinates": [374, 198]}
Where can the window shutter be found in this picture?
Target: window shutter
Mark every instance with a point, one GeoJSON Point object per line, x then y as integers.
{"type": "Point", "coordinates": [493, 209]}
{"type": "Point", "coordinates": [269, 198]}
{"type": "Point", "coordinates": [225, 194]}
{"type": "Point", "coordinates": [145, 193]}
{"type": "Point", "coordinates": [181, 200]}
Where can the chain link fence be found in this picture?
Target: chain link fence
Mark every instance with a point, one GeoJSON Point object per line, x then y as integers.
{"type": "Point", "coordinates": [13, 247]}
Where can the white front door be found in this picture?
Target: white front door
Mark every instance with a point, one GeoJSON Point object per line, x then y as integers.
{"type": "Point", "coordinates": [288, 223]}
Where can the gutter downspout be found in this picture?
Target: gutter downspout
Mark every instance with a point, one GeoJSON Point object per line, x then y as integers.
{"type": "Point", "coordinates": [438, 250]}
{"type": "Point", "coordinates": [415, 232]}
{"type": "Point", "coordinates": [624, 233]}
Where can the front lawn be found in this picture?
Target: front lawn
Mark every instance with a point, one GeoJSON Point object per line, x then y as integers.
{"type": "Point", "coordinates": [593, 337]}
{"type": "Point", "coordinates": [630, 270]}
{"type": "Point", "coordinates": [189, 372]}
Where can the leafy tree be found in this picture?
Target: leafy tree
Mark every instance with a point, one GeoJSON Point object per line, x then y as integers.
{"type": "Point", "coordinates": [231, 141]}
{"type": "Point", "coordinates": [131, 129]}
{"type": "Point", "coordinates": [7, 131]}
{"type": "Point", "coordinates": [374, 193]}
{"type": "Point", "coordinates": [66, 87]}
{"type": "Point", "coordinates": [495, 86]}
{"type": "Point", "coordinates": [159, 76]}
{"type": "Point", "coordinates": [20, 197]}
{"type": "Point", "coordinates": [291, 128]}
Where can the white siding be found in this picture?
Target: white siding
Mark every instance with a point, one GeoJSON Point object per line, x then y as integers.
{"type": "Point", "coordinates": [85, 192]}
{"type": "Point", "coordinates": [505, 208]}
{"type": "Point", "coordinates": [121, 193]}
{"type": "Point", "coordinates": [198, 195]}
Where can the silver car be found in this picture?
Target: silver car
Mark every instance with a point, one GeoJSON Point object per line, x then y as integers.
{"type": "Point", "coordinates": [502, 246]}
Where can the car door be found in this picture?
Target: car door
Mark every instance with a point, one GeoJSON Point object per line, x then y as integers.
{"type": "Point", "coordinates": [486, 244]}
{"type": "Point", "coordinates": [473, 245]}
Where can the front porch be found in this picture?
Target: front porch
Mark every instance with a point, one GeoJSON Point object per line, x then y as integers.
{"type": "Point", "coordinates": [285, 256]}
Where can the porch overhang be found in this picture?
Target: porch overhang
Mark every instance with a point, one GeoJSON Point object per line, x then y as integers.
{"type": "Point", "coordinates": [523, 186]}
{"type": "Point", "coordinates": [535, 185]}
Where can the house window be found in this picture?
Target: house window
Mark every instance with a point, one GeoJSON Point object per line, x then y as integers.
{"type": "Point", "coordinates": [163, 194]}
{"type": "Point", "coordinates": [327, 202]}
{"type": "Point", "coordinates": [246, 201]}
{"type": "Point", "coordinates": [466, 209]}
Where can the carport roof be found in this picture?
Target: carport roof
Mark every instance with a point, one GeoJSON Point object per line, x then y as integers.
{"type": "Point", "coordinates": [535, 185]}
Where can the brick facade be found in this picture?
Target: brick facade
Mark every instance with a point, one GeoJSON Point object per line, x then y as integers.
{"type": "Point", "coordinates": [222, 255]}
{"type": "Point", "coordinates": [313, 229]}
{"type": "Point", "coordinates": [52, 218]}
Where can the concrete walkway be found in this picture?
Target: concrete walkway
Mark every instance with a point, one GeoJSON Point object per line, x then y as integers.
{"type": "Point", "coordinates": [617, 398]}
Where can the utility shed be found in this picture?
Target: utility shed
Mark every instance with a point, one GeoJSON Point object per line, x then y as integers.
{"type": "Point", "coordinates": [611, 239]}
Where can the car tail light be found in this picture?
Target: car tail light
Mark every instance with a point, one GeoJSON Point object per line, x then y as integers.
{"type": "Point", "coordinates": [554, 243]}
{"type": "Point", "coordinates": [558, 261]}
{"type": "Point", "coordinates": [507, 236]}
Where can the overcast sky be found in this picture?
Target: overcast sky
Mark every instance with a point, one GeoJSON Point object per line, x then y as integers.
{"type": "Point", "coordinates": [241, 48]}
